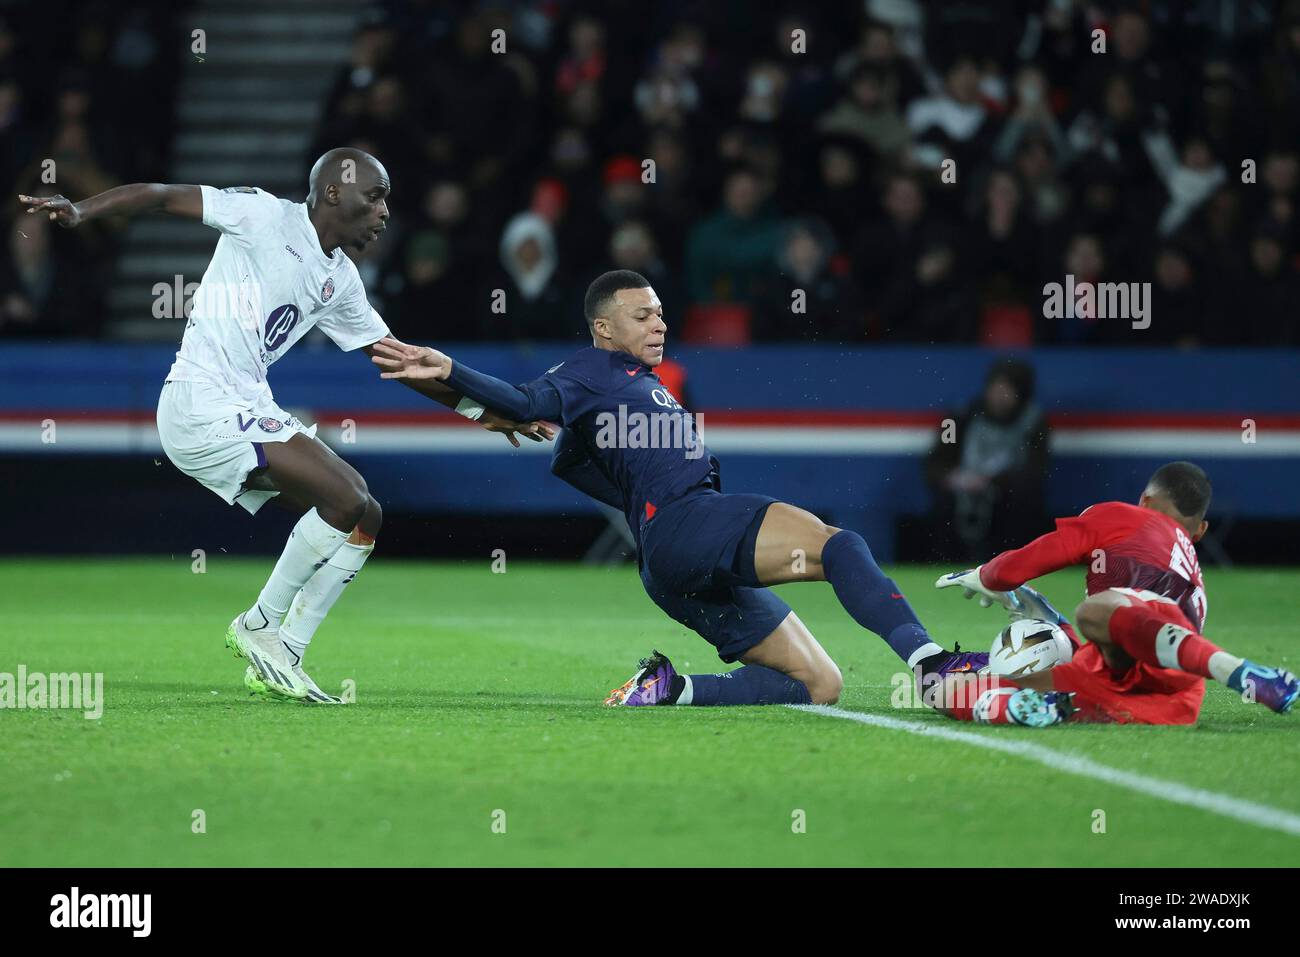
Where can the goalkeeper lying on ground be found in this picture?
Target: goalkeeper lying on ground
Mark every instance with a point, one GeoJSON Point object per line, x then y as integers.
{"type": "Point", "coordinates": [1145, 660]}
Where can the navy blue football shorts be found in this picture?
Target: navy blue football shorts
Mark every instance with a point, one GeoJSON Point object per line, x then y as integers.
{"type": "Point", "coordinates": [697, 564]}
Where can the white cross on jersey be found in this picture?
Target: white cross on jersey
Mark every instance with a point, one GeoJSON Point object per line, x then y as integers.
{"type": "Point", "coordinates": [267, 284]}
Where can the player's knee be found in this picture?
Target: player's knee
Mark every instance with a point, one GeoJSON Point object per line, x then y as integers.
{"type": "Point", "coordinates": [826, 684]}
{"type": "Point", "coordinates": [821, 533]}
{"type": "Point", "coordinates": [373, 520]}
{"type": "Point", "coordinates": [1092, 617]}
{"type": "Point", "coordinates": [824, 532]}
{"type": "Point", "coordinates": [351, 503]}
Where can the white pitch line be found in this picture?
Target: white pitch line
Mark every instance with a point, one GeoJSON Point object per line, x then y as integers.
{"type": "Point", "coordinates": [1261, 815]}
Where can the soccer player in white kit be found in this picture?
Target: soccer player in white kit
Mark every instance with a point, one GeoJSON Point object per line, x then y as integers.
{"type": "Point", "coordinates": [278, 270]}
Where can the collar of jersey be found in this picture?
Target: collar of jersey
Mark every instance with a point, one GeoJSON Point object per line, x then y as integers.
{"type": "Point", "coordinates": [632, 361]}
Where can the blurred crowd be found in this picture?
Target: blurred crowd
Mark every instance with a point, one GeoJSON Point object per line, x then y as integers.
{"type": "Point", "coordinates": [797, 188]}
{"type": "Point", "coordinates": [869, 171]}
{"type": "Point", "coordinates": [86, 104]}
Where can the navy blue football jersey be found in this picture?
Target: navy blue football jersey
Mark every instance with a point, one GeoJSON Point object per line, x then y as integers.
{"type": "Point", "coordinates": [631, 429]}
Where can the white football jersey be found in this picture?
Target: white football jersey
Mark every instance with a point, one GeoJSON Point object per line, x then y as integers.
{"type": "Point", "coordinates": [267, 284]}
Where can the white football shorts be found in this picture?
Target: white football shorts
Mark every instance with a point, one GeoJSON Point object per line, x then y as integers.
{"type": "Point", "coordinates": [218, 440]}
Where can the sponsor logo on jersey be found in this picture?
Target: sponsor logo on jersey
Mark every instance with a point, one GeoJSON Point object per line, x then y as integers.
{"type": "Point", "coordinates": [268, 424]}
{"type": "Point", "coordinates": [240, 189]}
{"type": "Point", "coordinates": [664, 398]}
{"type": "Point", "coordinates": [327, 290]}
{"type": "Point", "coordinates": [553, 368]}
{"type": "Point", "coordinates": [278, 326]}
{"type": "Point", "coordinates": [293, 252]}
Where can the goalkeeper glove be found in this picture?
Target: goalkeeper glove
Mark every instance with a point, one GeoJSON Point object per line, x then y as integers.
{"type": "Point", "coordinates": [969, 582]}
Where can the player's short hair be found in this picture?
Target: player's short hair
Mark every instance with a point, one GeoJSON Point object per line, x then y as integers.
{"type": "Point", "coordinates": [603, 288]}
{"type": "Point", "coordinates": [1185, 485]}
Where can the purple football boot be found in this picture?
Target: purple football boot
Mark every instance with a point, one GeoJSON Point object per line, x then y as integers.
{"type": "Point", "coordinates": [652, 684]}
{"type": "Point", "coordinates": [958, 662]}
{"type": "Point", "coordinates": [1274, 688]}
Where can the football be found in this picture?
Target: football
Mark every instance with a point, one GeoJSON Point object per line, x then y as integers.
{"type": "Point", "coordinates": [1027, 646]}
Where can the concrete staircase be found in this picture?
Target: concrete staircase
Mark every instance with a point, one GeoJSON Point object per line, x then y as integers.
{"type": "Point", "coordinates": [246, 115]}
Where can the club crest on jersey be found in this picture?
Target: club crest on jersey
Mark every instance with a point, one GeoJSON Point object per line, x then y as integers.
{"type": "Point", "coordinates": [327, 290]}
{"type": "Point", "coordinates": [268, 424]}
{"type": "Point", "coordinates": [278, 326]}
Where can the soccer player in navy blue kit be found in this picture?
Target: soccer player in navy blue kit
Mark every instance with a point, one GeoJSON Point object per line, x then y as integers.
{"type": "Point", "coordinates": [705, 557]}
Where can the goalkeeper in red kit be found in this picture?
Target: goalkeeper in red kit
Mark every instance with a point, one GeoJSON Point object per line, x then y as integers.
{"type": "Point", "coordinates": [1145, 660]}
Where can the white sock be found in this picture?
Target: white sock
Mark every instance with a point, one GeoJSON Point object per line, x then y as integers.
{"type": "Point", "coordinates": [1222, 665]}
{"type": "Point", "coordinates": [925, 651]}
{"type": "Point", "coordinates": [312, 543]}
{"type": "Point", "coordinates": [317, 597]}
{"type": "Point", "coordinates": [688, 692]}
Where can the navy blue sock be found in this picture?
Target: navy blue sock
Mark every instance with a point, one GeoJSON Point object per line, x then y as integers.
{"type": "Point", "coordinates": [752, 684]}
{"type": "Point", "coordinates": [871, 596]}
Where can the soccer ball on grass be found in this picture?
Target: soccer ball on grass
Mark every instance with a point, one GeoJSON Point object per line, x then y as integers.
{"type": "Point", "coordinates": [1027, 646]}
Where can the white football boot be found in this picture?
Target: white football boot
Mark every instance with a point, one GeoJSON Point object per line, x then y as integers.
{"type": "Point", "coordinates": [314, 693]}
{"type": "Point", "coordinates": [268, 658]}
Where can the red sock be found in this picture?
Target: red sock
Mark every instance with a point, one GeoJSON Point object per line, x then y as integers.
{"type": "Point", "coordinates": [1151, 639]}
{"type": "Point", "coordinates": [981, 698]}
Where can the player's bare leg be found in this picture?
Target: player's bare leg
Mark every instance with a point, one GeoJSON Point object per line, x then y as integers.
{"type": "Point", "coordinates": [789, 546]}
{"type": "Point", "coordinates": [792, 650]}
{"type": "Point", "coordinates": [1127, 629]}
{"type": "Point", "coordinates": [788, 666]}
{"type": "Point", "coordinates": [327, 548]}
{"type": "Point", "coordinates": [308, 470]}
{"type": "Point", "coordinates": [795, 545]}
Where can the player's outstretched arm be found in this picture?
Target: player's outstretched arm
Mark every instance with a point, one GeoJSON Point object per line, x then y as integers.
{"type": "Point", "coordinates": [1001, 580]}
{"type": "Point", "coordinates": [1070, 544]}
{"type": "Point", "coordinates": [996, 581]}
{"type": "Point", "coordinates": [419, 363]}
{"type": "Point", "coordinates": [534, 401]}
{"type": "Point", "coordinates": [178, 200]}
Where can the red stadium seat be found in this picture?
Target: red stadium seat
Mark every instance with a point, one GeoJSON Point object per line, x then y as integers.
{"type": "Point", "coordinates": [673, 375]}
{"type": "Point", "coordinates": [718, 324]}
{"type": "Point", "coordinates": [1006, 326]}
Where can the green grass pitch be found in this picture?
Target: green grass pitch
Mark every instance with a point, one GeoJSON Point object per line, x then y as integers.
{"type": "Point", "coordinates": [480, 693]}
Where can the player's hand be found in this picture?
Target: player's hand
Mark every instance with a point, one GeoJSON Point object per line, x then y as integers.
{"type": "Point", "coordinates": [1027, 603]}
{"type": "Point", "coordinates": [401, 360]}
{"type": "Point", "coordinates": [969, 582]}
{"type": "Point", "coordinates": [537, 431]}
{"type": "Point", "coordinates": [59, 208]}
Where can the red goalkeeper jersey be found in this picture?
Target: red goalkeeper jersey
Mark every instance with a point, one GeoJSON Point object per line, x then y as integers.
{"type": "Point", "coordinates": [1124, 546]}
